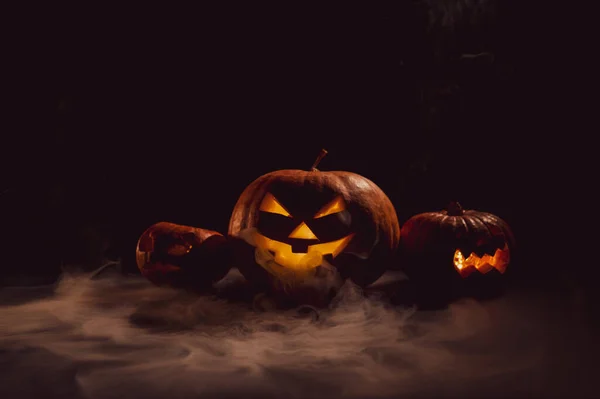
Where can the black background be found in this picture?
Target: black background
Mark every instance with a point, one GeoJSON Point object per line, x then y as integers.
{"type": "Point", "coordinates": [129, 117]}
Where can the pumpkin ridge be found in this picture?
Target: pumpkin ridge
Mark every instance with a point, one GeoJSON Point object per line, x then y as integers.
{"type": "Point", "coordinates": [464, 223]}
{"type": "Point", "coordinates": [507, 234]}
{"type": "Point", "coordinates": [247, 205]}
{"type": "Point", "coordinates": [487, 227]}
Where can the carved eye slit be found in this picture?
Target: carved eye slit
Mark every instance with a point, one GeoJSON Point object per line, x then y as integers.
{"type": "Point", "coordinates": [335, 206]}
{"type": "Point", "coordinates": [271, 205]}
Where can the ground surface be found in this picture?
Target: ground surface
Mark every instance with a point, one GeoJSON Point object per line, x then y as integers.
{"type": "Point", "coordinates": [120, 337]}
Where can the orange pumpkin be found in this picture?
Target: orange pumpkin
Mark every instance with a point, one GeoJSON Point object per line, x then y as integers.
{"type": "Point", "coordinates": [448, 249]}
{"type": "Point", "coordinates": [300, 220]}
{"type": "Point", "coordinates": [182, 256]}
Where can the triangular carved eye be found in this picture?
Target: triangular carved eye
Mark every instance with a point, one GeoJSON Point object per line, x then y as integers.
{"type": "Point", "coordinates": [335, 206]}
{"type": "Point", "coordinates": [271, 205]}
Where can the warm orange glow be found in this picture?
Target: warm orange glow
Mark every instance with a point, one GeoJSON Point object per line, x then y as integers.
{"type": "Point", "coordinates": [335, 206]}
{"type": "Point", "coordinates": [484, 264]}
{"type": "Point", "coordinates": [271, 205]}
{"type": "Point", "coordinates": [303, 231]}
{"type": "Point", "coordinates": [301, 261]}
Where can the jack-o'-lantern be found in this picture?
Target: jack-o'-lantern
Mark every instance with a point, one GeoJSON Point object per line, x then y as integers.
{"type": "Point", "coordinates": [455, 246]}
{"type": "Point", "coordinates": [182, 256]}
{"type": "Point", "coordinates": [301, 221]}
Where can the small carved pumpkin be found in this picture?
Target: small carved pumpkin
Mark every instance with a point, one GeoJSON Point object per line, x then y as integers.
{"type": "Point", "coordinates": [439, 248]}
{"type": "Point", "coordinates": [182, 256]}
{"type": "Point", "coordinates": [299, 221]}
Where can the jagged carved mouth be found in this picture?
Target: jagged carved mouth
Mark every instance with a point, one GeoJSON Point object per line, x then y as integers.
{"type": "Point", "coordinates": [484, 264]}
{"type": "Point", "coordinates": [288, 257]}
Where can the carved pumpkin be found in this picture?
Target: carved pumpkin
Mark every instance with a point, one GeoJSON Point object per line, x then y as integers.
{"type": "Point", "coordinates": [182, 256]}
{"type": "Point", "coordinates": [301, 221]}
{"type": "Point", "coordinates": [441, 248]}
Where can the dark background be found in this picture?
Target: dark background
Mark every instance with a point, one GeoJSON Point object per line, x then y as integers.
{"type": "Point", "coordinates": [129, 117]}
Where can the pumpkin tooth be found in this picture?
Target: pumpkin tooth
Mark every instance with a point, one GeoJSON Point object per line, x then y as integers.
{"type": "Point", "coordinates": [483, 264]}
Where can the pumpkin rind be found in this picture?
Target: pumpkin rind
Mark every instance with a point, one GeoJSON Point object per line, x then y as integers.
{"type": "Point", "coordinates": [182, 256]}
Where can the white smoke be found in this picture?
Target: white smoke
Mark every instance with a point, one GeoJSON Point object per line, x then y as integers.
{"type": "Point", "coordinates": [121, 337]}
{"type": "Point", "coordinates": [448, 14]}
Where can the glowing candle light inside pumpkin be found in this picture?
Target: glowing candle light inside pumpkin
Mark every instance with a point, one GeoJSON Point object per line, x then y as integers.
{"type": "Point", "coordinates": [313, 257]}
{"type": "Point", "coordinates": [302, 261]}
{"type": "Point", "coordinates": [483, 264]}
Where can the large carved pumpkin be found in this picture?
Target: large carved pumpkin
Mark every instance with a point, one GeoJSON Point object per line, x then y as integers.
{"type": "Point", "coordinates": [299, 222]}
{"type": "Point", "coordinates": [182, 256]}
{"type": "Point", "coordinates": [451, 248]}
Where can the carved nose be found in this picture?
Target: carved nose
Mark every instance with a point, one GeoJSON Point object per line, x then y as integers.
{"type": "Point", "coordinates": [303, 232]}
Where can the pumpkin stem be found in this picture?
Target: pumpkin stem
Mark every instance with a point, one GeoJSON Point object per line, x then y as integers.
{"type": "Point", "coordinates": [454, 209]}
{"type": "Point", "coordinates": [319, 158]}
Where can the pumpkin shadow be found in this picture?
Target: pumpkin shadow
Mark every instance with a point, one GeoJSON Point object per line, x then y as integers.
{"type": "Point", "coordinates": [393, 287]}
{"type": "Point", "coordinates": [437, 294]}
{"type": "Point", "coordinates": [150, 316]}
